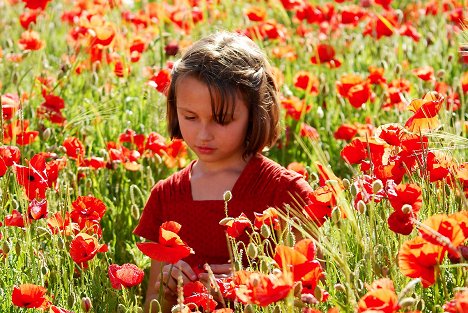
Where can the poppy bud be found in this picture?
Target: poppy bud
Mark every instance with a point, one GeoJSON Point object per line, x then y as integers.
{"type": "Point", "coordinates": [336, 215]}
{"type": "Point", "coordinates": [179, 308]}
{"type": "Point", "coordinates": [44, 270]}
{"type": "Point", "coordinates": [121, 308]}
{"type": "Point", "coordinates": [450, 57]}
{"type": "Point", "coordinates": [86, 304]}
{"type": "Point", "coordinates": [171, 48]}
{"type": "Point", "coordinates": [135, 211]}
{"type": "Point", "coordinates": [227, 196]}
{"type": "Point", "coordinates": [346, 183]}
{"type": "Point", "coordinates": [249, 309]}
{"type": "Point", "coordinates": [406, 208]}
{"type": "Point", "coordinates": [46, 134]}
{"type": "Point", "coordinates": [276, 309]}
{"type": "Point", "coordinates": [18, 248]}
{"type": "Point", "coordinates": [340, 287]}
{"type": "Point", "coordinates": [440, 73]}
{"type": "Point", "coordinates": [398, 69]}
{"type": "Point", "coordinates": [265, 231]}
{"type": "Point", "coordinates": [420, 306]}
{"type": "Point", "coordinates": [60, 243]}
{"type": "Point", "coordinates": [5, 248]}
{"type": "Point", "coordinates": [154, 304]}
{"type": "Point", "coordinates": [225, 220]}
{"type": "Point", "coordinates": [361, 207]}
{"type": "Point", "coordinates": [252, 250]}
{"type": "Point", "coordinates": [71, 299]}
{"type": "Point", "coordinates": [308, 298]}
{"type": "Point", "coordinates": [377, 185]}
{"type": "Point", "coordinates": [42, 231]}
{"type": "Point", "coordinates": [407, 302]}
{"type": "Point", "coordinates": [297, 289]}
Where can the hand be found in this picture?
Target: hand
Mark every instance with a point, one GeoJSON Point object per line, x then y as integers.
{"type": "Point", "coordinates": [219, 271]}
{"type": "Point", "coordinates": [171, 274]}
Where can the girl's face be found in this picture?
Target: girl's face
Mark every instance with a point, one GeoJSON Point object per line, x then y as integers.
{"type": "Point", "coordinates": [215, 145]}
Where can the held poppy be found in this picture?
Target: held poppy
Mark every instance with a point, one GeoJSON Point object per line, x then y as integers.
{"type": "Point", "coordinates": [126, 275]}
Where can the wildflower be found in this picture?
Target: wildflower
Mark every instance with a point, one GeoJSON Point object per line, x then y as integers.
{"type": "Point", "coordinates": [381, 297]}
{"type": "Point", "coordinates": [323, 200]}
{"type": "Point", "coordinates": [127, 275]}
{"type": "Point", "coordinates": [196, 293]}
{"type": "Point", "coordinates": [325, 54]}
{"type": "Point", "coordinates": [84, 247]}
{"type": "Point", "coordinates": [459, 304]}
{"type": "Point", "coordinates": [37, 209]}
{"type": "Point", "coordinates": [345, 132]}
{"type": "Point", "coordinates": [87, 208]}
{"type": "Point", "coordinates": [14, 219]}
{"type": "Point", "coordinates": [74, 147]}
{"type": "Point", "coordinates": [443, 230]}
{"type": "Point", "coordinates": [10, 105]}
{"type": "Point", "coordinates": [425, 112]}
{"type": "Point", "coordinates": [236, 226]}
{"type": "Point", "coordinates": [30, 296]}
{"type": "Point", "coordinates": [306, 81]}
{"type": "Point", "coordinates": [262, 289]}
{"type": "Point", "coordinates": [419, 258]}
{"type": "Point", "coordinates": [9, 155]}
{"type": "Point", "coordinates": [298, 168]}
{"type": "Point", "coordinates": [170, 247]}
{"type": "Point", "coordinates": [30, 40]}
{"type": "Point", "coordinates": [36, 4]}
{"type": "Point", "coordinates": [425, 73]}
{"type": "Point", "coordinates": [268, 217]}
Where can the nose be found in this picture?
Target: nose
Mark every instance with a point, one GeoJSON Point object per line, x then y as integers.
{"type": "Point", "coordinates": [205, 133]}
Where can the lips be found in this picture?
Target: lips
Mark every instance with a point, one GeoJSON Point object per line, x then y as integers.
{"type": "Point", "coordinates": [205, 150]}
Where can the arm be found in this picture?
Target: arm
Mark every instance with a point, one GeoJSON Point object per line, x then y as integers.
{"type": "Point", "coordinates": [152, 292]}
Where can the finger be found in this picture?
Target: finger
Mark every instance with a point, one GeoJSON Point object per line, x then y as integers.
{"type": "Point", "coordinates": [221, 268]}
{"type": "Point", "coordinates": [178, 273]}
{"type": "Point", "coordinates": [186, 270]}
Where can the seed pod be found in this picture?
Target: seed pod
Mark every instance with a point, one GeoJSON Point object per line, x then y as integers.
{"type": "Point", "coordinates": [336, 215]}
{"type": "Point", "coordinates": [406, 208]}
{"type": "Point", "coordinates": [135, 212]}
{"type": "Point", "coordinates": [377, 185]}
{"type": "Point", "coordinates": [340, 287]}
{"type": "Point", "coordinates": [5, 247]}
{"type": "Point", "coordinates": [86, 304]}
{"type": "Point", "coordinates": [265, 231]}
{"type": "Point", "coordinates": [346, 183]}
{"type": "Point", "coordinates": [354, 190]}
{"type": "Point", "coordinates": [46, 134]}
{"type": "Point", "coordinates": [71, 299]}
{"type": "Point", "coordinates": [18, 248]}
{"type": "Point", "coordinates": [361, 207]}
{"type": "Point", "coordinates": [227, 196]}
{"type": "Point", "coordinates": [60, 243]}
{"type": "Point", "coordinates": [252, 250]}
{"type": "Point", "coordinates": [225, 220]}
{"type": "Point", "coordinates": [407, 302]}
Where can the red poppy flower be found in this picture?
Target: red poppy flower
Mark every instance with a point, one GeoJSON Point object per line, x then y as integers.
{"type": "Point", "coordinates": [84, 247]}
{"type": "Point", "coordinates": [170, 248]}
{"type": "Point", "coordinates": [420, 258]}
{"type": "Point", "coordinates": [300, 262]}
{"type": "Point", "coordinates": [30, 296]}
{"type": "Point", "coordinates": [425, 73]}
{"type": "Point", "coordinates": [87, 208]}
{"type": "Point", "coordinates": [36, 4]}
{"type": "Point", "coordinates": [127, 275]}
{"type": "Point", "coordinates": [37, 209]}
{"type": "Point", "coordinates": [345, 132]}
{"type": "Point", "coordinates": [156, 143]}
{"type": "Point", "coordinates": [299, 168]}
{"type": "Point", "coordinates": [132, 137]}
{"type": "Point", "coordinates": [464, 82]}
{"type": "Point", "coordinates": [161, 80]}
{"type": "Point", "coordinates": [34, 177]}
{"type": "Point", "coordinates": [425, 112]}
{"type": "Point", "coordinates": [295, 107]}
{"type": "Point", "coordinates": [376, 75]}
{"type": "Point", "coordinates": [56, 309]}
{"type": "Point", "coordinates": [30, 40]}
{"type": "Point", "coordinates": [255, 13]}
{"type": "Point", "coordinates": [401, 222]}
{"type": "Point", "coordinates": [309, 132]}
{"type": "Point", "coordinates": [14, 219]}
{"type": "Point", "coordinates": [196, 293]}
{"type": "Point", "coordinates": [438, 166]}
{"type": "Point", "coordinates": [17, 130]}
{"type": "Point", "coordinates": [10, 105]}
{"type": "Point", "coordinates": [9, 155]}
{"type": "Point", "coordinates": [51, 108]}
{"type": "Point", "coordinates": [444, 231]}
{"type": "Point", "coordinates": [236, 226]}
{"type": "Point", "coordinates": [74, 147]}
{"type": "Point", "coordinates": [459, 304]}
{"type": "Point", "coordinates": [325, 54]}
{"type": "Point", "coordinates": [306, 81]}
{"type": "Point", "coordinates": [93, 163]}
{"type": "Point", "coordinates": [352, 14]}
{"type": "Point", "coordinates": [409, 30]}
{"type": "Point", "coordinates": [406, 194]}
{"type": "Point", "coordinates": [323, 200]}
{"type": "Point", "coordinates": [381, 25]}
{"type": "Point", "coordinates": [268, 217]}
{"type": "Point", "coordinates": [59, 223]}
{"type": "Point", "coordinates": [262, 289]}
{"type": "Point", "coordinates": [379, 300]}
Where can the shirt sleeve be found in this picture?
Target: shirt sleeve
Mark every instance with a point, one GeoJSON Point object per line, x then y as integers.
{"type": "Point", "coordinates": [148, 226]}
{"type": "Point", "coordinates": [297, 192]}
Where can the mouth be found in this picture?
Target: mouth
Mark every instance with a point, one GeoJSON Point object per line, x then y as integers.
{"type": "Point", "coordinates": [205, 149]}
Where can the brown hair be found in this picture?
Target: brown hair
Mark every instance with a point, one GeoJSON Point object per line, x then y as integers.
{"type": "Point", "coordinates": [230, 64]}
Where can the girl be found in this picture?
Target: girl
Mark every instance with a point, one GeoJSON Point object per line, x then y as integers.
{"type": "Point", "coordinates": [223, 103]}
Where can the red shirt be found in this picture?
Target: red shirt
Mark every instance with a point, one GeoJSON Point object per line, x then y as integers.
{"type": "Point", "coordinates": [262, 184]}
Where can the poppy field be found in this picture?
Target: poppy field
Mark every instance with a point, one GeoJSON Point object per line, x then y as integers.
{"type": "Point", "coordinates": [374, 98]}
